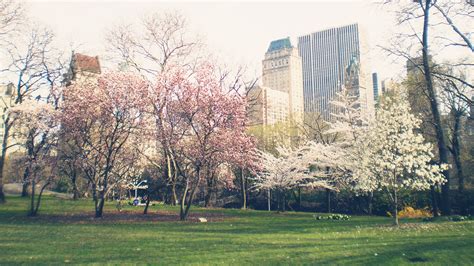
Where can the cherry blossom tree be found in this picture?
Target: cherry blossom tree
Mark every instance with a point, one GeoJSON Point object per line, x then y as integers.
{"type": "Point", "coordinates": [393, 156]}
{"type": "Point", "coordinates": [101, 118]}
{"type": "Point", "coordinates": [199, 129]}
{"type": "Point", "coordinates": [216, 121]}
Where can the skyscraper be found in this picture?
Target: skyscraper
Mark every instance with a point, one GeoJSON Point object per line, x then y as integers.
{"type": "Point", "coordinates": [331, 58]}
{"type": "Point", "coordinates": [280, 98]}
{"type": "Point", "coordinates": [375, 85]}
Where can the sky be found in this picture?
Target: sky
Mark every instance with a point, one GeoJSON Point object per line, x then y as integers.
{"type": "Point", "coordinates": [237, 32]}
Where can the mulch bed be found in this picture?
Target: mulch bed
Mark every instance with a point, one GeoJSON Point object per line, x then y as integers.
{"type": "Point", "coordinates": [128, 216]}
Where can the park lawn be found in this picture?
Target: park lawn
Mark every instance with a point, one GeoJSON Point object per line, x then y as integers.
{"type": "Point", "coordinates": [243, 237]}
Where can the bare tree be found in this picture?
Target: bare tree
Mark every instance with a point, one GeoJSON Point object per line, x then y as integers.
{"type": "Point", "coordinates": [11, 16]}
{"type": "Point", "coordinates": [431, 15]}
{"type": "Point", "coordinates": [36, 66]}
{"type": "Point", "coordinates": [458, 109]}
{"type": "Point", "coordinates": [160, 40]}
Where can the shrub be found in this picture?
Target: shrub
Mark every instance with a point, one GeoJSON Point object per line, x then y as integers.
{"type": "Point", "coordinates": [410, 212]}
{"type": "Point", "coordinates": [458, 218]}
{"type": "Point", "coordinates": [62, 185]}
{"type": "Point", "coordinates": [337, 217]}
{"type": "Point", "coordinates": [453, 218]}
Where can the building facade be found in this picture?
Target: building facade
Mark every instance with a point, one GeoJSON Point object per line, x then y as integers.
{"type": "Point", "coordinates": [280, 97]}
{"type": "Point", "coordinates": [267, 106]}
{"type": "Point", "coordinates": [375, 86]}
{"type": "Point", "coordinates": [82, 68]}
{"type": "Point", "coordinates": [7, 98]}
{"type": "Point", "coordinates": [331, 59]}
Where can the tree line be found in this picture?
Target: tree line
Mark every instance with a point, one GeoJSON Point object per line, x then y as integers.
{"type": "Point", "coordinates": [170, 114]}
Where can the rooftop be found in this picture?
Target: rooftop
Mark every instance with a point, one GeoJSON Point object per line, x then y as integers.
{"type": "Point", "coordinates": [279, 45]}
{"type": "Point", "coordinates": [86, 63]}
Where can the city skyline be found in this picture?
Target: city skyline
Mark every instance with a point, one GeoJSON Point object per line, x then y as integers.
{"type": "Point", "coordinates": [280, 97]}
{"type": "Point", "coordinates": [331, 59]}
{"type": "Point", "coordinates": [233, 38]}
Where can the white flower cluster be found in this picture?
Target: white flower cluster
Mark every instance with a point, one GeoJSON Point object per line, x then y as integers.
{"type": "Point", "coordinates": [392, 155]}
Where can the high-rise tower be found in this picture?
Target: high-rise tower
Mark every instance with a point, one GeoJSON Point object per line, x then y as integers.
{"type": "Point", "coordinates": [280, 98]}
{"type": "Point", "coordinates": [330, 59]}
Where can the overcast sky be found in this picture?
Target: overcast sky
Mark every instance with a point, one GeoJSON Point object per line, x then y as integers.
{"type": "Point", "coordinates": [239, 32]}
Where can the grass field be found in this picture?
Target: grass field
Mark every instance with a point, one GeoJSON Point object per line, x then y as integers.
{"type": "Point", "coordinates": [240, 237]}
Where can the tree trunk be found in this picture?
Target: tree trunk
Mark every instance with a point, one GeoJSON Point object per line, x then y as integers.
{"type": "Point", "coordinates": [442, 148]}
{"type": "Point", "coordinates": [269, 199]}
{"type": "Point", "coordinates": [186, 204]}
{"type": "Point", "coordinates": [208, 199]}
{"type": "Point", "coordinates": [283, 197]}
{"type": "Point", "coordinates": [395, 209]}
{"type": "Point", "coordinates": [184, 215]}
{"type": "Point", "coordinates": [145, 211]}
{"type": "Point", "coordinates": [299, 198]}
{"type": "Point", "coordinates": [99, 206]}
{"type": "Point", "coordinates": [370, 199]}
{"type": "Point", "coordinates": [457, 151]}
{"type": "Point", "coordinates": [434, 201]}
{"type": "Point", "coordinates": [24, 188]}
{"type": "Point", "coordinates": [328, 200]}
{"type": "Point", "coordinates": [75, 191]}
{"type": "Point", "coordinates": [243, 189]}
{"type": "Point", "coordinates": [3, 156]}
{"type": "Point", "coordinates": [38, 201]}
{"type": "Point", "coordinates": [172, 177]}
{"type": "Point", "coordinates": [173, 194]}
{"type": "Point", "coordinates": [32, 200]}
{"type": "Point", "coordinates": [183, 202]}
{"type": "Point", "coordinates": [99, 199]}
{"type": "Point", "coordinates": [2, 194]}
{"type": "Point", "coordinates": [190, 202]}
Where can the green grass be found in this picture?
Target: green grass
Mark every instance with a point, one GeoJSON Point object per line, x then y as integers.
{"type": "Point", "coordinates": [244, 237]}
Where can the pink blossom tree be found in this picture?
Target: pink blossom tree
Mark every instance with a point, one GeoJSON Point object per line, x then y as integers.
{"type": "Point", "coordinates": [200, 126]}
{"type": "Point", "coordinates": [101, 118]}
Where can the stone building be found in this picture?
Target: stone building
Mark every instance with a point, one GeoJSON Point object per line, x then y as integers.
{"type": "Point", "coordinates": [280, 97]}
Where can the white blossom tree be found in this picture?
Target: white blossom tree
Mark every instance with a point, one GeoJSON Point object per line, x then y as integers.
{"type": "Point", "coordinates": [290, 170]}
{"type": "Point", "coordinates": [392, 156]}
{"type": "Point", "coordinates": [348, 123]}
{"type": "Point", "coordinates": [334, 148]}
{"type": "Point", "coordinates": [36, 125]}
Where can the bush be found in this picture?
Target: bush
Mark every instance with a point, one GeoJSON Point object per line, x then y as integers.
{"type": "Point", "coordinates": [410, 212]}
{"type": "Point", "coordinates": [458, 218]}
{"type": "Point", "coordinates": [336, 217]}
{"type": "Point", "coordinates": [453, 218]}
{"type": "Point", "coordinates": [63, 185]}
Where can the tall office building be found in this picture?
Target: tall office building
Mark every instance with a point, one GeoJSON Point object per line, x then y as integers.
{"type": "Point", "coordinates": [280, 98]}
{"type": "Point", "coordinates": [334, 58]}
{"type": "Point", "coordinates": [375, 85]}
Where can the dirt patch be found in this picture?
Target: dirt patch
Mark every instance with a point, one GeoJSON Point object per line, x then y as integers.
{"type": "Point", "coordinates": [127, 216]}
{"type": "Point", "coordinates": [16, 188]}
